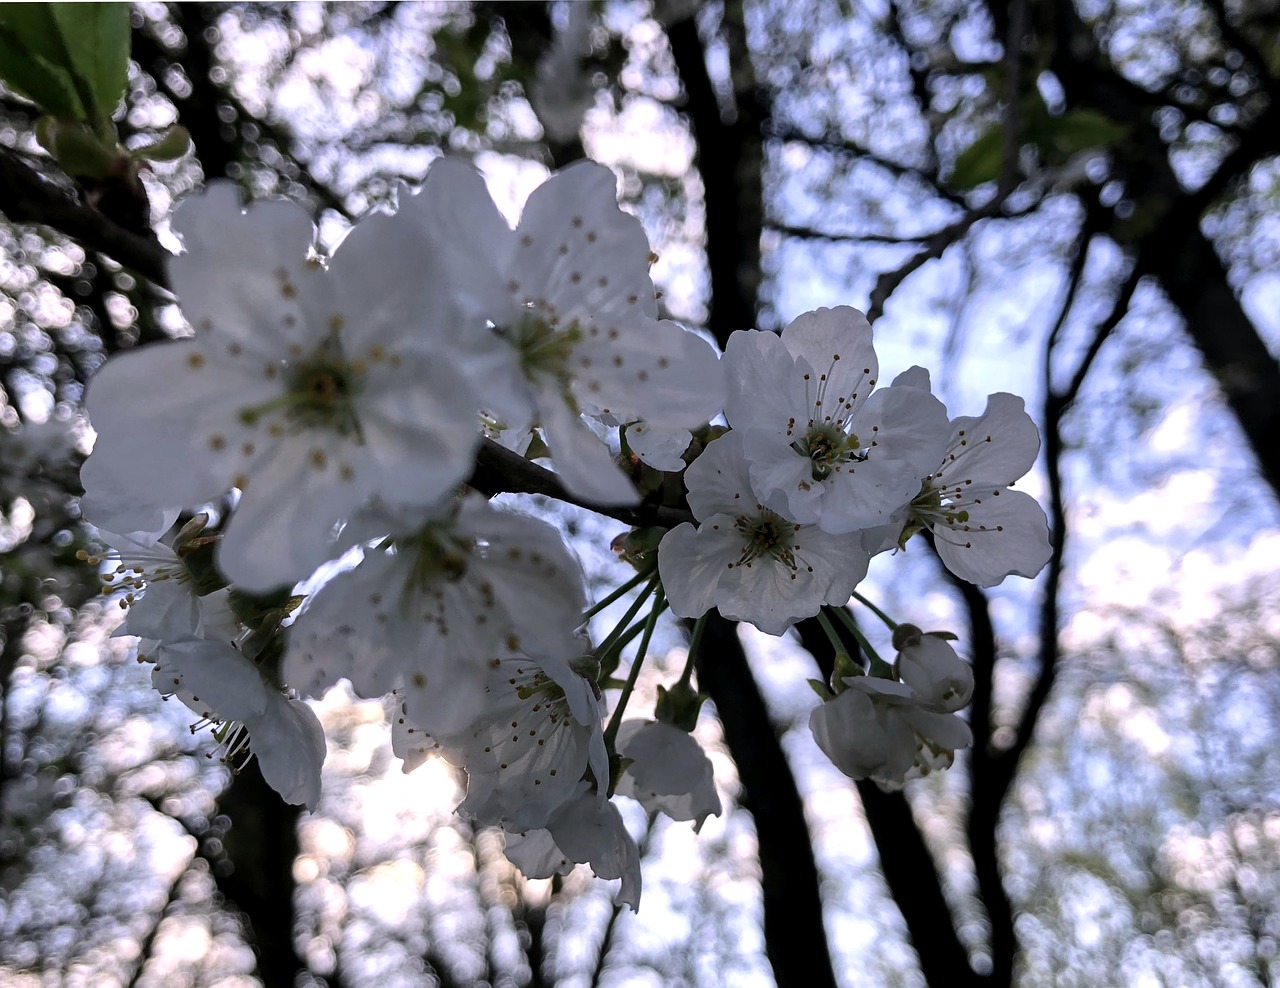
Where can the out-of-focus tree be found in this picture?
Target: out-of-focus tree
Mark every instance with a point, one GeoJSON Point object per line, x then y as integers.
{"type": "Point", "coordinates": [1075, 200]}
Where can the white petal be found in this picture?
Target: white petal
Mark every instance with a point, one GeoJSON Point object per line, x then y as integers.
{"type": "Point", "coordinates": [580, 253]}
{"type": "Point", "coordinates": [223, 683]}
{"type": "Point", "coordinates": [651, 370]}
{"type": "Point", "coordinates": [168, 414]}
{"type": "Point", "coordinates": [583, 463]}
{"type": "Point", "coordinates": [691, 564]}
{"type": "Point", "coordinates": [1006, 533]}
{"type": "Point", "coordinates": [535, 853]}
{"type": "Point", "coordinates": [836, 344]}
{"type": "Point", "coordinates": [659, 448]}
{"type": "Point", "coordinates": [284, 525]}
{"type": "Point", "coordinates": [669, 771]}
{"type": "Point", "coordinates": [455, 210]}
{"type": "Point", "coordinates": [904, 424]}
{"type": "Point", "coordinates": [718, 480]}
{"type": "Point", "coordinates": [997, 447]}
{"type": "Point", "coordinates": [244, 273]}
{"type": "Point", "coordinates": [931, 667]}
{"type": "Point", "coordinates": [913, 377]}
{"type": "Point", "coordinates": [288, 742]}
{"type": "Point", "coordinates": [764, 390]}
{"type": "Point", "coordinates": [589, 830]}
{"type": "Point", "coordinates": [388, 287]}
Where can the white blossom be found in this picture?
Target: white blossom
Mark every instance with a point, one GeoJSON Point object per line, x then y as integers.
{"type": "Point", "coordinates": [583, 830]}
{"type": "Point", "coordinates": [984, 531]}
{"type": "Point", "coordinates": [224, 687]}
{"type": "Point", "coordinates": [746, 559]}
{"type": "Point", "coordinates": [308, 388]}
{"type": "Point", "coordinates": [538, 734]}
{"type": "Point", "coordinates": [843, 456]}
{"type": "Point", "coordinates": [156, 590]}
{"type": "Point", "coordinates": [423, 616]}
{"type": "Point", "coordinates": [669, 771]}
{"type": "Point", "coordinates": [563, 315]}
{"type": "Point", "coordinates": [877, 729]}
{"type": "Point", "coordinates": [929, 665]}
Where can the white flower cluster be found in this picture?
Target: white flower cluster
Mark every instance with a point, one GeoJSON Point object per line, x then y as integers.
{"type": "Point", "coordinates": [333, 406]}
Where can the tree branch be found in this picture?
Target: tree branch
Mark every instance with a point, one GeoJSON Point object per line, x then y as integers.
{"type": "Point", "coordinates": [26, 196]}
{"type": "Point", "coordinates": [794, 932]}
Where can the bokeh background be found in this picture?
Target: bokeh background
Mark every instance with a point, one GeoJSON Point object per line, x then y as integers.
{"type": "Point", "coordinates": [1072, 201]}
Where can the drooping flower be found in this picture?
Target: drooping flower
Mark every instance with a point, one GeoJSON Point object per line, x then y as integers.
{"type": "Point", "coordinates": [929, 665]}
{"type": "Point", "coordinates": [563, 316]}
{"type": "Point", "coordinates": [669, 771]}
{"type": "Point", "coordinates": [424, 615]}
{"type": "Point", "coordinates": [880, 729]}
{"type": "Point", "coordinates": [309, 388]}
{"type": "Point", "coordinates": [159, 595]}
{"type": "Point", "coordinates": [842, 455]}
{"type": "Point", "coordinates": [583, 830]}
{"type": "Point", "coordinates": [745, 558]}
{"type": "Point", "coordinates": [224, 688]}
{"type": "Point", "coordinates": [537, 736]}
{"type": "Point", "coordinates": [984, 531]}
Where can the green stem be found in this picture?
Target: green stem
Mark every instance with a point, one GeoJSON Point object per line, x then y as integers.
{"type": "Point", "coordinates": [829, 629]}
{"type": "Point", "coordinates": [626, 588]}
{"type": "Point", "coordinates": [695, 640]}
{"type": "Point", "coordinates": [878, 613]}
{"type": "Point", "coordinates": [615, 722]}
{"type": "Point", "coordinates": [604, 647]}
{"type": "Point", "coordinates": [625, 639]}
{"type": "Point", "coordinates": [877, 666]}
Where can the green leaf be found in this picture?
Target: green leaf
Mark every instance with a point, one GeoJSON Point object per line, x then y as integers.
{"type": "Point", "coordinates": [71, 58]}
{"type": "Point", "coordinates": [1081, 129]}
{"type": "Point", "coordinates": [980, 161]}
{"type": "Point", "coordinates": [96, 36]}
{"type": "Point", "coordinates": [32, 63]}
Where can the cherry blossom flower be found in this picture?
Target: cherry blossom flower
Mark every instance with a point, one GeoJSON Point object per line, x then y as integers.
{"type": "Point", "coordinates": [669, 771]}
{"type": "Point", "coordinates": [225, 688]}
{"type": "Point", "coordinates": [537, 736]}
{"type": "Point", "coordinates": [583, 830]}
{"type": "Point", "coordinates": [842, 456]}
{"type": "Point", "coordinates": [423, 615]}
{"type": "Point", "coordinates": [308, 388]}
{"type": "Point", "coordinates": [563, 316]}
{"type": "Point", "coordinates": [984, 531]}
{"type": "Point", "coordinates": [746, 559]}
{"type": "Point", "coordinates": [158, 593]}
{"type": "Point", "coordinates": [876, 729]}
{"type": "Point", "coordinates": [929, 665]}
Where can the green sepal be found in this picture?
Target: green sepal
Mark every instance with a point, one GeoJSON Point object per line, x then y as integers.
{"type": "Point", "coordinates": [679, 706]}
{"type": "Point", "coordinates": [843, 668]}
{"type": "Point", "coordinates": [909, 531]}
{"type": "Point", "coordinates": [821, 688]}
{"type": "Point", "coordinates": [639, 547]}
{"type": "Point", "coordinates": [171, 145]}
{"type": "Point", "coordinates": [81, 151]}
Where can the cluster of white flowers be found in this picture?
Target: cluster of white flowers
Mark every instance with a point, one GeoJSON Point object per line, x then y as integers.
{"type": "Point", "coordinates": [333, 407]}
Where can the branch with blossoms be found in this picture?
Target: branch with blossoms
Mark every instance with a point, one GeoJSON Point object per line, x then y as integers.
{"type": "Point", "coordinates": [362, 406]}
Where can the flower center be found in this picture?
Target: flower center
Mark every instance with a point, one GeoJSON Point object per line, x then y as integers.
{"type": "Point", "coordinates": [543, 346]}
{"type": "Point", "coordinates": [828, 446]}
{"type": "Point", "coordinates": [320, 393]}
{"type": "Point", "coordinates": [439, 555]}
{"type": "Point", "coordinates": [765, 536]}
